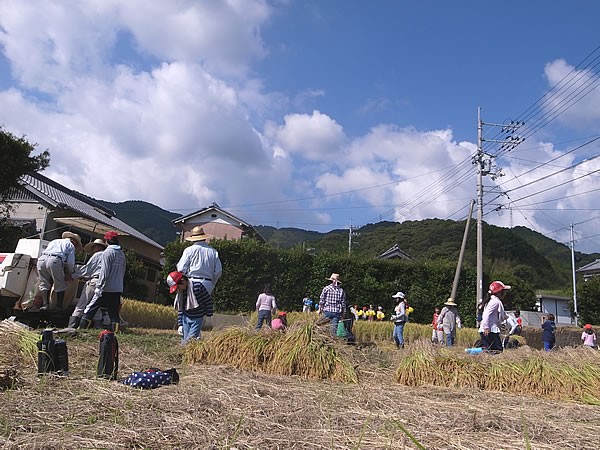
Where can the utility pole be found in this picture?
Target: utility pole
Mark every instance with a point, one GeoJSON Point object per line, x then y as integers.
{"type": "Point", "coordinates": [462, 252]}
{"type": "Point", "coordinates": [485, 166]}
{"type": "Point", "coordinates": [350, 234]}
{"type": "Point", "coordinates": [574, 282]}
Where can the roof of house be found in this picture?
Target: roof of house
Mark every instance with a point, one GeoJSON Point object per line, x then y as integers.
{"type": "Point", "coordinates": [395, 252]}
{"type": "Point", "coordinates": [38, 187]}
{"type": "Point", "coordinates": [213, 207]}
{"type": "Point", "coordinates": [589, 267]}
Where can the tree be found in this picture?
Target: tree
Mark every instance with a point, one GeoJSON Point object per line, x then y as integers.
{"type": "Point", "coordinates": [134, 270]}
{"type": "Point", "coordinates": [15, 161]}
{"type": "Point", "coordinates": [588, 301]}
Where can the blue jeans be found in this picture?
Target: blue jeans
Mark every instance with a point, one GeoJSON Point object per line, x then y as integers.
{"type": "Point", "coordinates": [335, 318]}
{"type": "Point", "coordinates": [548, 346]}
{"type": "Point", "coordinates": [399, 333]}
{"type": "Point", "coordinates": [264, 315]}
{"type": "Point", "coordinates": [191, 328]}
{"type": "Point", "coordinates": [449, 339]}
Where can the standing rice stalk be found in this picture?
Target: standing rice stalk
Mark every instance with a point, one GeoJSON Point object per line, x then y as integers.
{"type": "Point", "coordinates": [569, 375]}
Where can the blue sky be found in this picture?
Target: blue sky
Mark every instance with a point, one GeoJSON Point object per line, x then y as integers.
{"type": "Point", "coordinates": [303, 113]}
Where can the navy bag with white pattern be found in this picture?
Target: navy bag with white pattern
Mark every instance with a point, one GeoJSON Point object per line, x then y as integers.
{"type": "Point", "coordinates": [151, 378]}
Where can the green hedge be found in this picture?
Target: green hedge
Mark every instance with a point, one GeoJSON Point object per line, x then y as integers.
{"type": "Point", "coordinates": [248, 264]}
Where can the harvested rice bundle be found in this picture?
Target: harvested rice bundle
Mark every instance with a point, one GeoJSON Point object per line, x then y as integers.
{"type": "Point", "coordinates": [301, 351]}
{"type": "Point", "coordinates": [148, 315]}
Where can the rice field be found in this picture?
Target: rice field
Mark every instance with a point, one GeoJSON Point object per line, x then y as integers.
{"type": "Point", "coordinates": [148, 315]}
{"type": "Point", "coordinates": [565, 374]}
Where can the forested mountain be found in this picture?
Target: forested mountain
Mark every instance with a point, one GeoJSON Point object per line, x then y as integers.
{"type": "Point", "coordinates": [147, 218]}
{"type": "Point", "coordinates": [517, 252]}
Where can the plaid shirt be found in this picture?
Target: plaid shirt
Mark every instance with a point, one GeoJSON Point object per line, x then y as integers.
{"type": "Point", "coordinates": [333, 299]}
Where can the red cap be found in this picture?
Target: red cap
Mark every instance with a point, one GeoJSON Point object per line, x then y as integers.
{"type": "Point", "coordinates": [173, 279]}
{"type": "Point", "coordinates": [282, 313]}
{"type": "Point", "coordinates": [587, 326]}
{"type": "Point", "coordinates": [110, 235]}
{"type": "Point", "coordinates": [498, 286]}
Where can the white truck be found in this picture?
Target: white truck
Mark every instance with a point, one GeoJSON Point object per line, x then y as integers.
{"type": "Point", "coordinates": [19, 287]}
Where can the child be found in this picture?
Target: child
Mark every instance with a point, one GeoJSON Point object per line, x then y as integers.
{"type": "Point", "coordinates": [359, 312]}
{"type": "Point", "coordinates": [380, 314]}
{"type": "Point", "coordinates": [370, 313]}
{"type": "Point", "coordinates": [280, 323]}
{"type": "Point", "coordinates": [437, 335]}
{"type": "Point", "coordinates": [364, 313]}
{"type": "Point", "coordinates": [265, 305]}
{"type": "Point", "coordinates": [588, 337]}
{"type": "Point", "coordinates": [548, 335]}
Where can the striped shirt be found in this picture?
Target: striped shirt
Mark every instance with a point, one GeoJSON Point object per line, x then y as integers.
{"type": "Point", "coordinates": [202, 304]}
{"type": "Point", "coordinates": [333, 299]}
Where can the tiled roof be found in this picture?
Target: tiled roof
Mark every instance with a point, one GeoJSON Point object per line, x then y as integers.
{"type": "Point", "coordinates": [589, 267]}
{"type": "Point", "coordinates": [58, 195]}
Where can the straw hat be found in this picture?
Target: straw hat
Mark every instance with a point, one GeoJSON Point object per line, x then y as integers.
{"type": "Point", "coordinates": [334, 277]}
{"type": "Point", "coordinates": [69, 235]}
{"type": "Point", "coordinates": [90, 245]}
{"type": "Point", "coordinates": [197, 234]}
{"type": "Point", "coordinates": [450, 302]}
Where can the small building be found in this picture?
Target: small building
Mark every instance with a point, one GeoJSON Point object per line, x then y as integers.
{"type": "Point", "coordinates": [54, 208]}
{"type": "Point", "coordinates": [590, 270]}
{"type": "Point", "coordinates": [395, 252]}
{"type": "Point", "coordinates": [559, 306]}
{"type": "Point", "coordinates": [218, 222]}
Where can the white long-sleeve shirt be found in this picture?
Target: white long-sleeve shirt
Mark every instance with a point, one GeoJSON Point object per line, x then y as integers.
{"type": "Point", "coordinates": [512, 323]}
{"type": "Point", "coordinates": [62, 248]}
{"type": "Point", "coordinates": [200, 261]}
{"type": "Point", "coordinates": [493, 315]}
{"type": "Point", "coordinates": [112, 269]}
{"type": "Point", "coordinates": [91, 269]}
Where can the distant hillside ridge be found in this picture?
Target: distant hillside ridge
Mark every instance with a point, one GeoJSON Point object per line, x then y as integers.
{"type": "Point", "coordinates": [147, 218]}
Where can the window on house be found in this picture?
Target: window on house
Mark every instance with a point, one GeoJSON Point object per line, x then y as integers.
{"type": "Point", "coordinates": [214, 216]}
{"type": "Point", "coordinates": [151, 275]}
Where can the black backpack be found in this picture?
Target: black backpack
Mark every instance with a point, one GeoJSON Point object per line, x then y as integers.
{"type": "Point", "coordinates": [108, 363]}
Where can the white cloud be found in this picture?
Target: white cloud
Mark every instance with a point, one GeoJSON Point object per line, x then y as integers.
{"type": "Point", "coordinates": [316, 137]}
{"type": "Point", "coordinates": [573, 91]}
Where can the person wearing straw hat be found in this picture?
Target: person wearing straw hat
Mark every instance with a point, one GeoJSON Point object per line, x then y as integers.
{"type": "Point", "coordinates": [333, 301]}
{"type": "Point", "coordinates": [200, 262]}
{"type": "Point", "coordinates": [400, 318]}
{"type": "Point", "coordinates": [90, 272]}
{"type": "Point", "coordinates": [449, 320]}
{"type": "Point", "coordinates": [493, 315]}
{"type": "Point", "coordinates": [55, 265]}
{"type": "Point", "coordinates": [109, 286]}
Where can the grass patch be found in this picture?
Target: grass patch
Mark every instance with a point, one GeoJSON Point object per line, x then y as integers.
{"type": "Point", "coordinates": [303, 350]}
{"type": "Point", "coordinates": [148, 315]}
{"type": "Point", "coordinates": [569, 374]}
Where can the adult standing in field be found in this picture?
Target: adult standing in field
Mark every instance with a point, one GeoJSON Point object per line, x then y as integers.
{"type": "Point", "coordinates": [90, 272]}
{"type": "Point", "coordinates": [449, 320]}
{"type": "Point", "coordinates": [200, 262]}
{"type": "Point", "coordinates": [333, 301]}
{"type": "Point", "coordinates": [192, 303]}
{"type": "Point", "coordinates": [55, 266]}
{"type": "Point", "coordinates": [400, 318]}
{"type": "Point", "coordinates": [109, 286]}
{"type": "Point", "coordinates": [265, 306]}
{"type": "Point", "coordinates": [549, 332]}
{"type": "Point", "coordinates": [493, 315]}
